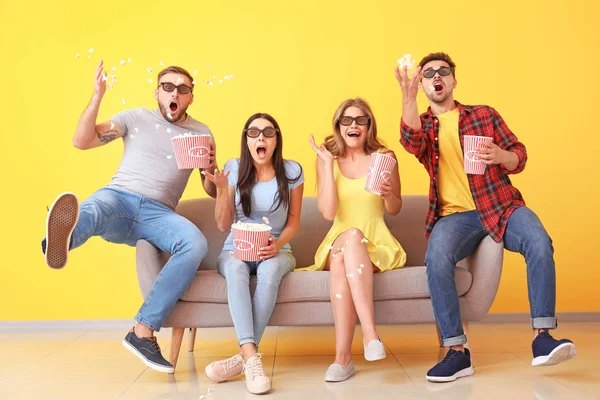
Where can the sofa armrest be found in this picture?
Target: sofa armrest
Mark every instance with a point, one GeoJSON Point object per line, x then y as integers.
{"type": "Point", "coordinates": [485, 265]}
{"type": "Point", "coordinates": [149, 261]}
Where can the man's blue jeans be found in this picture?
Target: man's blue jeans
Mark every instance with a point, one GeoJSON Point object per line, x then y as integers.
{"type": "Point", "coordinates": [456, 236]}
{"type": "Point", "coordinates": [123, 217]}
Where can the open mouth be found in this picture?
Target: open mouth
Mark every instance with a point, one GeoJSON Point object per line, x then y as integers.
{"type": "Point", "coordinates": [173, 107]}
{"type": "Point", "coordinates": [438, 87]}
{"type": "Point", "coordinates": [353, 134]}
{"type": "Point", "coordinates": [261, 151]}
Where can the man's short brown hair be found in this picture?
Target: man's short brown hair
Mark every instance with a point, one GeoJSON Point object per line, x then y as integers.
{"type": "Point", "coordinates": [439, 57]}
{"type": "Point", "coordinates": [173, 69]}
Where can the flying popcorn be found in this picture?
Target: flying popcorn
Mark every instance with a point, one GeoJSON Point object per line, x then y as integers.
{"type": "Point", "coordinates": [169, 157]}
{"type": "Point", "coordinates": [364, 240]}
{"type": "Point", "coordinates": [348, 242]}
{"type": "Point", "coordinates": [350, 275]}
{"type": "Point", "coordinates": [227, 77]}
{"type": "Point", "coordinates": [123, 101]}
{"type": "Point", "coordinates": [210, 390]}
{"type": "Point", "coordinates": [202, 397]}
{"type": "Point", "coordinates": [161, 63]}
{"type": "Point", "coordinates": [77, 55]}
{"type": "Point", "coordinates": [406, 61]}
{"type": "Point", "coordinates": [114, 69]}
{"type": "Point", "coordinates": [360, 270]}
{"type": "Point", "coordinates": [168, 130]}
{"type": "Point", "coordinates": [195, 72]}
{"type": "Point", "coordinates": [266, 220]}
{"type": "Point", "coordinates": [377, 263]}
{"type": "Point", "coordinates": [149, 70]}
{"type": "Point", "coordinates": [104, 78]}
{"type": "Point", "coordinates": [149, 80]}
{"type": "Point", "coordinates": [112, 126]}
{"type": "Point", "coordinates": [132, 136]}
{"type": "Point", "coordinates": [330, 247]}
{"type": "Point", "coordinates": [157, 126]}
{"type": "Point", "coordinates": [170, 117]}
{"type": "Point", "coordinates": [339, 296]}
{"type": "Point", "coordinates": [220, 81]}
{"type": "Point", "coordinates": [341, 250]}
{"type": "Point", "coordinates": [91, 50]}
{"type": "Point", "coordinates": [122, 62]}
{"type": "Point", "coordinates": [333, 254]}
{"type": "Point", "coordinates": [214, 77]}
{"type": "Point", "coordinates": [136, 130]}
{"type": "Point", "coordinates": [194, 82]}
{"type": "Point", "coordinates": [179, 80]}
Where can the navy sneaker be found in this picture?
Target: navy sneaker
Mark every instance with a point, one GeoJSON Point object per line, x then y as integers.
{"type": "Point", "coordinates": [455, 365]}
{"type": "Point", "coordinates": [60, 223]}
{"type": "Point", "coordinates": [148, 350]}
{"type": "Point", "coordinates": [549, 351]}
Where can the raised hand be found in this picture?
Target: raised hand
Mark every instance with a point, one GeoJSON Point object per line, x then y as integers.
{"type": "Point", "coordinates": [409, 86]}
{"type": "Point", "coordinates": [324, 154]}
{"type": "Point", "coordinates": [218, 178]}
{"type": "Point", "coordinates": [100, 81]}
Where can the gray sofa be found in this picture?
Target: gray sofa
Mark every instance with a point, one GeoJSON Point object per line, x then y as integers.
{"type": "Point", "coordinates": [401, 296]}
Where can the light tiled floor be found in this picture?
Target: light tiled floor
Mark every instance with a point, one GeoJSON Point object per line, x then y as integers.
{"type": "Point", "coordinates": [94, 365]}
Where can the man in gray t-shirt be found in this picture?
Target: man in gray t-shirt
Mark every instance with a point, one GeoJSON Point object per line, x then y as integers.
{"type": "Point", "coordinates": [140, 200]}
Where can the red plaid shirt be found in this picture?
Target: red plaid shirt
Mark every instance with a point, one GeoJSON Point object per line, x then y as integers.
{"type": "Point", "coordinates": [494, 196]}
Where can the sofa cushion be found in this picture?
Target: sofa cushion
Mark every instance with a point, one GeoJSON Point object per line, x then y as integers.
{"type": "Point", "coordinates": [405, 283]}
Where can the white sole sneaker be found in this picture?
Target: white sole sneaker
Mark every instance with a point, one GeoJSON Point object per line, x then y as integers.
{"type": "Point", "coordinates": [149, 364]}
{"type": "Point", "coordinates": [460, 374]}
{"type": "Point", "coordinates": [561, 353]}
{"type": "Point", "coordinates": [336, 373]}
{"type": "Point", "coordinates": [60, 223]}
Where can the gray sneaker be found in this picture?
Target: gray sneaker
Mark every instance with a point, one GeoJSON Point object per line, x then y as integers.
{"type": "Point", "coordinates": [336, 373]}
{"type": "Point", "coordinates": [147, 350]}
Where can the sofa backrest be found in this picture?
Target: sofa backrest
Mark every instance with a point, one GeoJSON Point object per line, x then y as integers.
{"type": "Point", "coordinates": [408, 227]}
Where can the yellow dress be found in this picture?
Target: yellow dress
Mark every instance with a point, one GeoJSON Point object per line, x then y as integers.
{"type": "Point", "coordinates": [360, 209]}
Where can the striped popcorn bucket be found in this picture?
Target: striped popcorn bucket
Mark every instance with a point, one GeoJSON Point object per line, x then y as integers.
{"type": "Point", "coordinates": [473, 164]}
{"type": "Point", "coordinates": [192, 151]}
{"type": "Point", "coordinates": [380, 169]}
{"type": "Point", "coordinates": [246, 244]}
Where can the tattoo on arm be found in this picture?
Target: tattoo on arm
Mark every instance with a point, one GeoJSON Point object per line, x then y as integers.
{"type": "Point", "coordinates": [108, 136]}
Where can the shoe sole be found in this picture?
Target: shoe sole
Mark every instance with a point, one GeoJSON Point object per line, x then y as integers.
{"type": "Point", "coordinates": [340, 378]}
{"type": "Point", "coordinates": [460, 374]}
{"type": "Point", "coordinates": [149, 364]}
{"type": "Point", "coordinates": [376, 358]}
{"type": "Point", "coordinates": [60, 223]}
{"type": "Point", "coordinates": [561, 353]}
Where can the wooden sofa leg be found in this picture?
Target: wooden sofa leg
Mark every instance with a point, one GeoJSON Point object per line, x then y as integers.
{"type": "Point", "coordinates": [176, 339]}
{"type": "Point", "coordinates": [191, 339]}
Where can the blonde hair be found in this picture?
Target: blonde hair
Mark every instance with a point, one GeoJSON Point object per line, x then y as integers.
{"type": "Point", "coordinates": [335, 143]}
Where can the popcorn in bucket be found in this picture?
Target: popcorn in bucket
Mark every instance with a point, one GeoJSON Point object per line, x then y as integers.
{"type": "Point", "coordinates": [472, 162]}
{"type": "Point", "coordinates": [248, 238]}
{"type": "Point", "coordinates": [192, 151]}
{"type": "Point", "coordinates": [380, 169]}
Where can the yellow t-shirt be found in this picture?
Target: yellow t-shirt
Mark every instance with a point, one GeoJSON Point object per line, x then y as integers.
{"type": "Point", "coordinates": [453, 186]}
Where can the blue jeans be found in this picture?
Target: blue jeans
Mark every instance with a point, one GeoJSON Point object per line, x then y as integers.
{"type": "Point", "coordinates": [456, 236]}
{"type": "Point", "coordinates": [250, 316]}
{"type": "Point", "coordinates": [124, 217]}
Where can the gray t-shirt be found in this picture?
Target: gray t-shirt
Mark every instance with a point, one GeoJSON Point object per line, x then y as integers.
{"type": "Point", "coordinates": [148, 166]}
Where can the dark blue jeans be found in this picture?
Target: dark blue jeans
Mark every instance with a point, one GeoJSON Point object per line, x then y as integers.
{"type": "Point", "coordinates": [456, 236]}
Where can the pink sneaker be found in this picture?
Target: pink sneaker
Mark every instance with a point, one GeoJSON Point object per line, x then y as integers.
{"type": "Point", "coordinates": [257, 381]}
{"type": "Point", "coordinates": [220, 371]}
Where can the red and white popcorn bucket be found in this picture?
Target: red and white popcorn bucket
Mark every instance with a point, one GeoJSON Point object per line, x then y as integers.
{"type": "Point", "coordinates": [192, 151]}
{"type": "Point", "coordinates": [473, 164]}
{"type": "Point", "coordinates": [380, 170]}
{"type": "Point", "coordinates": [248, 239]}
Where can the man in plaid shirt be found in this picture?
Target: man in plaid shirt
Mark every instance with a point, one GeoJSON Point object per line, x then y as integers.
{"type": "Point", "coordinates": [464, 208]}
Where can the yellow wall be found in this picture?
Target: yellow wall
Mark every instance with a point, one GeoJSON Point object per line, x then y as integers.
{"type": "Point", "coordinates": [534, 61]}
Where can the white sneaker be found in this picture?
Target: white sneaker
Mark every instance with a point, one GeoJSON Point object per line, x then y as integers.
{"type": "Point", "coordinates": [223, 370]}
{"type": "Point", "coordinates": [257, 382]}
{"type": "Point", "coordinates": [337, 373]}
{"type": "Point", "coordinates": [374, 351]}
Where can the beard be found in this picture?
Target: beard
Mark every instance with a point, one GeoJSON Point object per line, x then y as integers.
{"type": "Point", "coordinates": [165, 111]}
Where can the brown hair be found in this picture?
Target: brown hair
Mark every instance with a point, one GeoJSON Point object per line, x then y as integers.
{"type": "Point", "coordinates": [247, 171]}
{"type": "Point", "coordinates": [439, 57]}
{"type": "Point", "coordinates": [175, 70]}
{"type": "Point", "coordinates": [335, 143]}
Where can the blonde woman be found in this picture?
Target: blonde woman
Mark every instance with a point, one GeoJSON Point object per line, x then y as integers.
{"type": "Point", "coordinates": [358, 243]}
